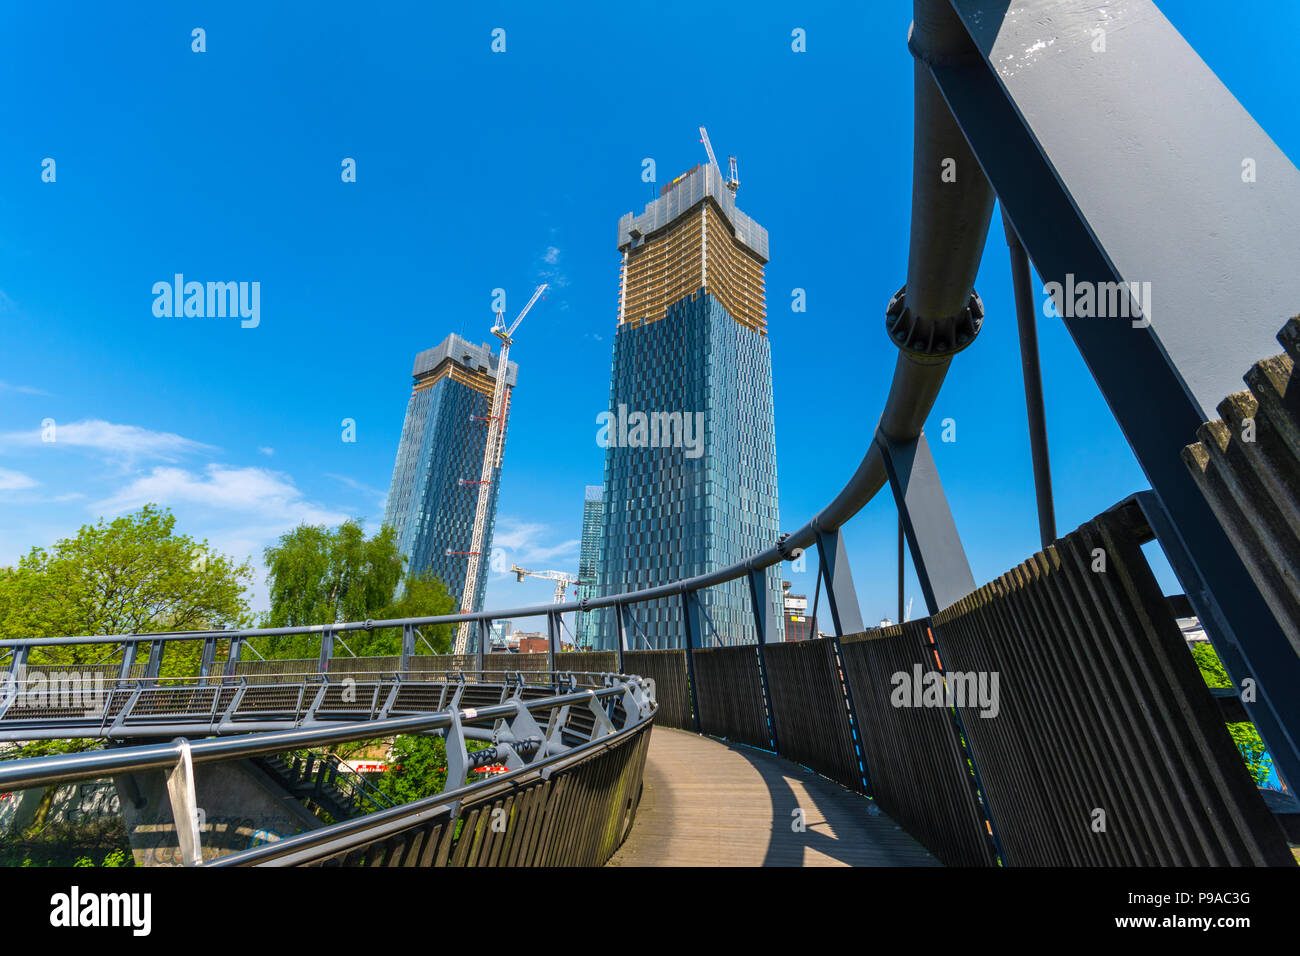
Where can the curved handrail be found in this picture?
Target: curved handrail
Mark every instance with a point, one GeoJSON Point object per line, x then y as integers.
{"type": "Point", "coordinates": [91, 765]}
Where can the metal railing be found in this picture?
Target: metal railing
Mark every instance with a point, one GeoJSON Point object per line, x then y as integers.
{"type": "Point", "coordinates": [579, 723]}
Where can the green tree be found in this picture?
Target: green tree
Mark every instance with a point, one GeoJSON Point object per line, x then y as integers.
{"type": "Point", "coordinates": [424, 596]}
{"type": "Point", "coordinates": [1212, 669]}
{"type": "Point", "coordinates": [1243, 733]}
{"type": "Point", "coordinates": [134, 574]}
{"type": "Point", "coordinates": [418, 767]}
{"type": "Point", "coordinates": [318, 575]}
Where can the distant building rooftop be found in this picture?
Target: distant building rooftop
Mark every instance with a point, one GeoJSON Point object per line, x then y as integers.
{"type": "Point", "coordinates": [462, 352]}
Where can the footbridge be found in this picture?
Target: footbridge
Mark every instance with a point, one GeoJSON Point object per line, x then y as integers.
{"type": "Point", "coordinates": [1052, 715]}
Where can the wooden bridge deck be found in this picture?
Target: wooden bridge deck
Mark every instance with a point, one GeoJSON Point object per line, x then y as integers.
{"type": "Point", "coordinates": [708, 803]}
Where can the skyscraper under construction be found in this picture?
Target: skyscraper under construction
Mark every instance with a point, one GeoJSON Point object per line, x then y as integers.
{"type": "Point", "coordinates": [690, 486]}
{"type": "Point", "coordinates": [432, 498]}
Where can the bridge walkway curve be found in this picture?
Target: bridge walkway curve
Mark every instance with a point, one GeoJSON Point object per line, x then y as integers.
{"type": "Point", "coordinates": [710, 803]}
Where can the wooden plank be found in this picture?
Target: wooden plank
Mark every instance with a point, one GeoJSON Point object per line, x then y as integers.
{"type": "Point", "coordinates": [707, 803]}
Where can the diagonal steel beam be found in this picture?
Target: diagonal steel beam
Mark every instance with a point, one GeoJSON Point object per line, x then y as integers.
{"type": "Point", "coordinates": [1121, 158]}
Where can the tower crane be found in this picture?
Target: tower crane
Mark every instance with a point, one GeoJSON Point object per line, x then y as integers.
{"type": "Point", "coordinates": [491, 458]}
{"type": "Point", "coordinates": [733, 181]}
{"type": "Point", "coordinates": [708, 147]}
{"type": "Point", "coordinates": [561, 579]}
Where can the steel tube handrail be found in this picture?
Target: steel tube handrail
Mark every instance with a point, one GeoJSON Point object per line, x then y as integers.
{"type": "Point", "coordinates": [374, 826]}
{"type": "Point", "coordinates": [68, 768]}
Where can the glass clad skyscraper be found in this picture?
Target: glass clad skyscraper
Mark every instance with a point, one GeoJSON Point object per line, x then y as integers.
{"type": "Point", "coordinates": [442, 446]}
{"type": "Point", "coordinates": [593, 511]}
{"type": "Point", "coordinates": [691, 343]}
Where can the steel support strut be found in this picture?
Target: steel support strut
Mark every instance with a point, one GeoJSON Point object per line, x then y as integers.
{"type": "Point", "coordinates": [833, 561]}
{"type": "Point", "coordinates": [692, 629]}
{"type": "Point", "coordinates": [620, 625]}
{"type": "Point", "coordinates": [937, 553]}
{"type": "Point", "coordinates": [1032, 374]}
{"type": "Point", "coordinates": [552, 638]}
{"type": "Point", "coordinates": [765, 633]}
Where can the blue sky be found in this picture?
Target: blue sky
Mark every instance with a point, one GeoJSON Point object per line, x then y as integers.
{"type": "Point", "coordinates": [478, 170]}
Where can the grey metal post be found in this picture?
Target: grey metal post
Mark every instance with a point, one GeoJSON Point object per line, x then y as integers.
{"type": "Point", "coordinates": [408, 648]}
{"type": "Point", "coordinates": [937, 553]}
{"type": "Point", "coordinates": [155, 659]}
{"type": "Point", "coordinates": [17, 673]}
{"type": "Point", "coordinates": [209, 655]}
{"type": "Point", "coordinates": [764, 633]}
{"type": "Point", "coordinates": [552, 639]}
{"type": "Point", "coordinates": [1032, 373]}
{"type": "Point", "coordinates": [691, 630]}
{"type": "Point", "coordinates": [484, 640]}
{"type": "Point", "coordinates": [840, 594]}
{"type": "Point", "coordinates": [621, 627]}
{"type": "Point", "coordinates": [236, 647]}
{"type": "Point", "coordinates": [813, 630]}
{"type": "Point", "coordinates": [901, 558]}
{"type": "Point", "coordinates": [859, 744]}
{"type": "Point", "coordinates": [326, 648]}
{"type": "Point", "coordinates": [128, 659]}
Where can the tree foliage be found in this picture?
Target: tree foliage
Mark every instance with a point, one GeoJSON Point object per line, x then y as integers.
{"type": "Point", "coordinates": [1212, 669]}
{"type": "Point", "coordinates": [1243, 733]}
{"type": "Point", "coordinates": [134, 574]}
{"type": "Point", "coordinates": [319, 575]}
{"type": "Point", "coordinates": [418, 767]}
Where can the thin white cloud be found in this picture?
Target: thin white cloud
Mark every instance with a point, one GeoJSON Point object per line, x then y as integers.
{"type": "Point", "coordinates": [115, 441]}
{"type": "Point", "coordinates": [550, 270]}
{"type": "Point", "coordinates": [255, 492]}
{"type": "Point", "coordinates": [266, 450]}
{"type": "Point", "coordinates": [24, 389]}
{"type": "Point", "coordinates": [15, 480]}
{"type": "Point", "coordinates": [357, 485]}
{"type": "Point", "coordinates": [525, 543]}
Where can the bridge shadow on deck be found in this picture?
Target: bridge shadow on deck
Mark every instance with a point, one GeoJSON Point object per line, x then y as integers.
{"type": "Point", "coordinates": [710, 803]}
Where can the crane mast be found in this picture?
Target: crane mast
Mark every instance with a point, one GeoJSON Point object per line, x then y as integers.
{"type": "Point", "coordinates": [708, 147]}
{"type": "Point", "coordinates": [733, 181]}
{"type": "Point", "coordinates": [491, 459]}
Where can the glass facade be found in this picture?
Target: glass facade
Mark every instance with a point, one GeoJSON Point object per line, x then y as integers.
{"type": "Point", "coordinates": [671, 513]}
{"type": "Point", "coordinates": [593, 510]}
{"type": "Point", "coordinates": [441, 446]}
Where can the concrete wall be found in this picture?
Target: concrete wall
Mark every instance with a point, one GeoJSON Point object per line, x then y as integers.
{"type": "Point", "coordinates": [240, 806]}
